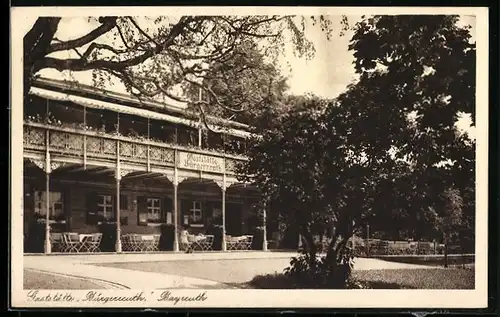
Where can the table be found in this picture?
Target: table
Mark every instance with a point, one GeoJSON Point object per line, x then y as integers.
{"type": "Point", "coordinates": [140, 243]}
{"type": "Point", "coordinates": [202, 242]}
{"type": "Point", "coordinates": [240, 243]}
{"type": "Point", "coordinates": [74, 242]}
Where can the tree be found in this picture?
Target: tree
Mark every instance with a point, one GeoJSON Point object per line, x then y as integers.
{"type": "Point", "coordinates": [387, 147]}
{"type": "Point", "coordinates": [153, 55]}
{"type": "Point", "coordinates": [249, 87]}
{"type": "Point", "coordinates": [303, 164]}
{"type": "Point", "coordinates": [446, 217]}
{"type": "Point", "coordinates": [417, 78]}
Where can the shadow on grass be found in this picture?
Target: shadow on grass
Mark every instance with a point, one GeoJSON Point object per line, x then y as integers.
{"type": "Point", "coordinates": [382, 279]}
{"type": "Point", "coordinates": [281, 281]}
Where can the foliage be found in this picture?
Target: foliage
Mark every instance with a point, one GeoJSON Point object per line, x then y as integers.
{"type": "Point", "coordinates": [167, 237]}
{"type": "Point", "coordinates": [388, 147]}
{"type": "Point", "coordinates": [311, 271]}
{"type": "Point", "coordinates": [108, 241]}
{"type": "Point", "coordinates": [155, 56]}
{"type": "Point", "coordinates": [417, 78]}
{"type": "Point", "coordinates": [248, 87]}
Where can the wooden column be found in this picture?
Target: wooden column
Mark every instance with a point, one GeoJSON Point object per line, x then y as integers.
{"type": "Point", "coordinates": [85, 137]}
{"type": "Point", "coordinates": [48, 245]}
{"type": "Point", "coordinates": [223, 187]}
{"type": "Point", "coordinates": [118, 176]}
{"type": "Point", "coordinates": [176, 209]}
{"type": "Point", "coordinates": [118, 245]}
{"type": "Point", "coordinates": [149, 147]}
{"type": "Point", "coordinates": [200, 134]}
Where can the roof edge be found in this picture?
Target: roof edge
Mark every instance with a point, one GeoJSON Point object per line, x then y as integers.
{"type": "Point", "coordinates": [98, 92]}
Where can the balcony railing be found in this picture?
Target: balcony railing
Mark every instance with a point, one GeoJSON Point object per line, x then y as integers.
{"type": "Point", "coordinates": [80, 143]}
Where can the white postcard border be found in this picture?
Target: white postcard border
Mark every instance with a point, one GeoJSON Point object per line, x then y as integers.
{"type": "Point", "coordinates": [476, 298]}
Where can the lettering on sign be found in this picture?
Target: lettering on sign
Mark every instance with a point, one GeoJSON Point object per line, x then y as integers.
{"type": "Point", "coordinates": [200, 162]}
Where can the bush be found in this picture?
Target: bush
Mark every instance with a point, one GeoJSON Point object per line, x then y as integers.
{"type": "Point", "coordinates": [258, 238]}
{"type": "Point", "coordinates": [167, 236]}
{"type": "Point", "coordinates": [35, 238]}
{"type": "Point", "coordinates": [216, 231]}
{"type": "Point", "coordinates": [108, 241]}
{"type": "Point", "coordinates": [305, 272]}
{"type": "Point", "coordinates": [290, 239]}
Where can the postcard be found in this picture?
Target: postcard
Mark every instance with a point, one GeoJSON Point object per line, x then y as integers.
{"type": "Point", "coordinates": [249, 157]}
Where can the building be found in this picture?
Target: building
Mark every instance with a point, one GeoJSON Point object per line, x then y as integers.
{"type": "Point", "coordinates": [94, 157]}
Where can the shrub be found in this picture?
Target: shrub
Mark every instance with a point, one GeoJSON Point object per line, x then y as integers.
{"type": "Point", "coordinates": [290, 239]}
{"type": "Point", "coordinates": [258, 238]}
{"type": "Point", "coordinates": [35, 238]}
{"type": "Point", "coordinates": [108, 241]}
{"type": "Point", "coordinates": [317, 272]}
{"type": "Point", "coordinates": [167, 236]}
{"type": "Point", "coordinates": [216, 231]}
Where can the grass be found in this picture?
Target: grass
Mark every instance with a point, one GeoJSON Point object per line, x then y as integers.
{"type": "Point", "coordinates": [254, 273]}
{"type": "Point", "coordinates": [434, 260]}
{"type": "Point", "coordinates": [387, 279]}
{"type": "Point", "coordinates": [39, 280]}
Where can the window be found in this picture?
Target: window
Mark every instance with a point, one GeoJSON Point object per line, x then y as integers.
{"type": "Point", "coordinates": [105, 207]}
{"type": "Point", "coordinates": [56, 211]}
{"type": "Point", "coordinates": [154, 210]}
{"type": "Point", "coordinates": [196, 212]}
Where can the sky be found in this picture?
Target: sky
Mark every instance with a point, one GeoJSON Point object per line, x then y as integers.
{"type": "Point", "coordinates": [326, 75]}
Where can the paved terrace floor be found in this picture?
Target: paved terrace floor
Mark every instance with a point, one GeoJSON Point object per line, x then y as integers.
{"type": "Point", "coordinates": [178, 270]}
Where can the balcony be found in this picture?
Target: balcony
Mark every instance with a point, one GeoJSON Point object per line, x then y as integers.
{"type": "Point", "coordinates": [77, 144]}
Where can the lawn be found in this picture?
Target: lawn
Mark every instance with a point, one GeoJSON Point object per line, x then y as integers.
{"type": "Point", "coordinates": [39, 280]}
{"type": "Point", "coordinates": [453, 278]}
{"type": "Point", "coordinates": [258, 273]}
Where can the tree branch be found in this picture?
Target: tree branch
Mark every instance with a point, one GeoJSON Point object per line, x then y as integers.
{"type": "Point", "coordinates": [142, 31]}
{"type": "Point", "coordinates": [37, 40]}
{"type": "Point", "coordinates": [108, 23]}
{"type": "Point", "coordinates": [94, 46]}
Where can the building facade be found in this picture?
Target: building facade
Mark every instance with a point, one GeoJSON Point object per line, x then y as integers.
{"type": "Point", "coordinates": [94, 157]}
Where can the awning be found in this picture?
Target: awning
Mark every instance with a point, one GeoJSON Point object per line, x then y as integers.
{"type": "Point", "coordinates": [98, 104]}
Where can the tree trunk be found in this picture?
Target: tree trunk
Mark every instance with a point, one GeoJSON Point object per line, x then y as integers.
{"type": "Point", "coordinates": [310, 247]}
{"type": "Point", "coordinates": [445, 252]}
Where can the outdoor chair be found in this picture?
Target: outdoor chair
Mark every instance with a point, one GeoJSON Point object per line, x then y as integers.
{"type": "Point", "coordinates": [191, 239]}
{"type": "Point", "coordinates": [91, 243]}
{"type": "Point", "coordinates": [207, 243]}
{"type": "Point", "coordinates": [71, 242]}
{"type": "Point", "coordinates": [148, 243]}
{"type": "Point", "coordinates": [231, 243]}
{"type": "Point", "coordinates": [245, 244]}
{"type": "Point", "coordinates": [126, 242]}
{"type": "Point", "coordinates": [156, 246]}
{"type": "Point", "coordinates": [56, 239]}
{"type": "Point", "coordinates": [135, 243]}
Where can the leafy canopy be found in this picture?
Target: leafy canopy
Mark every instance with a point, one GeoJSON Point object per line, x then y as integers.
{"type": "Point", "coordinates": [153, 55]}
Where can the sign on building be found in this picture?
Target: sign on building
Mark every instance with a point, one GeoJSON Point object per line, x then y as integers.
{"type": "Point", "coordinates": [200, 162]}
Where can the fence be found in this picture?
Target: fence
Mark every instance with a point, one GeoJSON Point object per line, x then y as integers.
{"type": "Point", "coordinates": [376, 247]}
{"type": "Point", "coordinates": [385, 247]}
